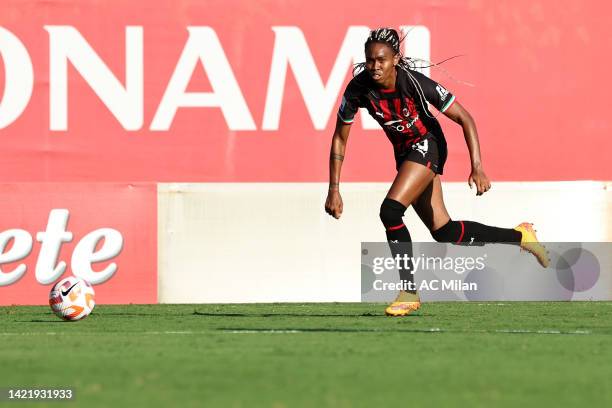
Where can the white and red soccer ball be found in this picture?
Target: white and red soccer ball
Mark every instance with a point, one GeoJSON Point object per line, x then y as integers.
{"type": "Point", "coordinates": [72, 298]}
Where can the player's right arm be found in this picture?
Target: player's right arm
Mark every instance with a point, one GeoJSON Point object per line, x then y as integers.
{"type": "Point", "coordinates": [346, 115]}
{"type": "Point", "coordinates": [333, 204]}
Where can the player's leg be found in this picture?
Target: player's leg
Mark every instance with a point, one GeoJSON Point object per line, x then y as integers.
{"type": "Point", "coordinates": [432, 211]}
{"type": "Point", "coordinates": [411, 180]}
{"type": "Point", "coordinates": [430, 206]}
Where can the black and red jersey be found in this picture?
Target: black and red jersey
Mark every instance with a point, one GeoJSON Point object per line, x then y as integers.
{"type": "Point", "coordinates": [400, 111]}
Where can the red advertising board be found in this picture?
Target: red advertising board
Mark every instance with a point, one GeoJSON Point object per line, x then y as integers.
{"type": "Point", "coordinates": [247, 91]}
{"type": "Point", "coordinates": [103, 232]}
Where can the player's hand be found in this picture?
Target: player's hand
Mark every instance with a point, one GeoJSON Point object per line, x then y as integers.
{"type": "Point", "coordinates": [480, 179]}
{"type": "Point", "coordinates": [333, 204]}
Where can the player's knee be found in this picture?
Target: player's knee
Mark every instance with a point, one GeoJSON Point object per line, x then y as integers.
{"type": "Point", "coordinates": [449, 232]}
{"type": "Point", "coordinates": [391, 212]}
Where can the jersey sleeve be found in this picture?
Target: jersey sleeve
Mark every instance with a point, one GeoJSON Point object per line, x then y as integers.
{"type": "Point", "coordinates": [435, 93]}
{"type": "Point", "coordinates": [350, 103]}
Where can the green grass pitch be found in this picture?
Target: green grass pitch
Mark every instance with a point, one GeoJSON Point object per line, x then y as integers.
{"type": "Point", "coordinates": [508, 354]}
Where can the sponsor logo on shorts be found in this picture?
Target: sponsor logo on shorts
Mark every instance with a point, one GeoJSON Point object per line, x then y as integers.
{"type": "Point", "coordinates": [421, 147]}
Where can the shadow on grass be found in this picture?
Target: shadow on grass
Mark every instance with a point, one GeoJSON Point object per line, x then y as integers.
{"type": "Point", "coordinates": [128, 314]}
{"type": "Point", "coordinates": [241, 315]}
{"type": "Point", "coordinates": [41, 321]}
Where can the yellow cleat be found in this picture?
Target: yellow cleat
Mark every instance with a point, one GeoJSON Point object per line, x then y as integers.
{"type": "Point", "coordinates": [530, 243]}
{"type": "Point", "coordinates": [402, 308]}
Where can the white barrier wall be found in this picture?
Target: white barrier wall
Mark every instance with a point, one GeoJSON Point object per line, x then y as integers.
{"type": "Point", "coordinates": [272, 242]}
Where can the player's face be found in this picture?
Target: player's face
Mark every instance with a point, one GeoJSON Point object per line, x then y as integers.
{"type": "Point", "coordinates": [380, 63]}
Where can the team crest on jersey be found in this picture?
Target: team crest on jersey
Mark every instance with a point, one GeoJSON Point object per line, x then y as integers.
{"type": "Point", "coordinates": [421, 147]}
{"type": "Point", "coordinates": [442, 91]}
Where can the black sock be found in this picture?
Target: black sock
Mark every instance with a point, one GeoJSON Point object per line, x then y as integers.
{"type": "Point", "coordinates": [474, 233]}
{"type": "Point", "coordinates": [400, 242]}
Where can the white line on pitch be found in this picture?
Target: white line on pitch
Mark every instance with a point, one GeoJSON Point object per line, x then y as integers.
{"type": "Point", "coordinates": [264, 331]}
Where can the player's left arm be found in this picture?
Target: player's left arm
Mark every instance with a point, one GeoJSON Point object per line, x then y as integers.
{"type": "Point", "coordinates": [461, 116]}
{"type": "Point", "coordinates": [446, 103]}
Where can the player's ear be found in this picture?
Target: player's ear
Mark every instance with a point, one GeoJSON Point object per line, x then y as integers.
{"type": "Point", "coordinates": [396, 59]}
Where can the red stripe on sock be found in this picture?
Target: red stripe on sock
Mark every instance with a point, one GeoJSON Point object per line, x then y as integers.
{"type": "Point", "coordinates": [462, 231]}
{"type": "Point", "coordinates": [396, 227]}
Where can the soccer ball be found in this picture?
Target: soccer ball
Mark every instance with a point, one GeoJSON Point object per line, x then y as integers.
{"type": "Point", "coordinates": [72, 298]}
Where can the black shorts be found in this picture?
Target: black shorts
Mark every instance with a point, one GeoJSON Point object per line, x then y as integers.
{"type": "Point", "coordinates": [425, 152]}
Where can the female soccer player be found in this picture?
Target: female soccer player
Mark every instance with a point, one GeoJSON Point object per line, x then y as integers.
{"type": "Point", "coordinates": [397, 96]}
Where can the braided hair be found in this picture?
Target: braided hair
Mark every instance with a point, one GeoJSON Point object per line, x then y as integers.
{"type": "Point", "coordinates": [390, 37]}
